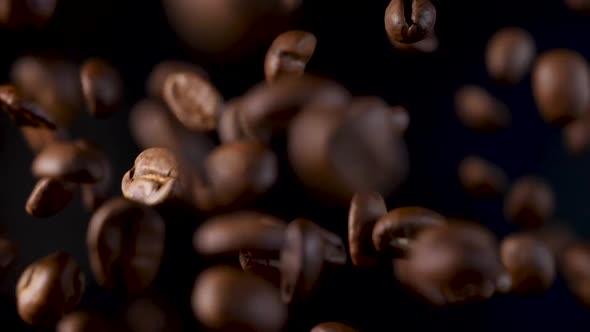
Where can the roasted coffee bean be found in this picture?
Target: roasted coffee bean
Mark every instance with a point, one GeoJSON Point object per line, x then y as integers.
{"type": "Point", "coordinates": [427, 45]}
{"type": "Point", "coordinates": [151, 314]}
{"type": "Point", "coordinates": [232, 232]}
{"type": "Point", "coordinates": [530, 202]}
{"type": "Point", "coordinates": [229, 128]}
{"type": "Point", "coordinates": [48, 289]}
{"type": "Point", "coordinates": [94, 194]}
{"type": "Point", "coordinates": [23, 113]}
{"type": "Point", "coordinates": [510, 54]}
{"type": "Point", "coordinates": [76, 161]}
{"type": "Point", "coordinates": [365, 209]}
{"type": "Point", "coordinates": [561, 86]}
{"type": "Point", "coordinates": [81, 321]}
{"type": "Point", "coordinates": [49, 197]}
{"type": "Point", "coordinates": [161, 71]}
{"type": "Point", "coordinates": [579, 6]}
{"type": "Point", "coordinates": [482, 178]}
{"type": "Point", "coordinates": [479, 110]}
{"type": "Point", "coordinates": [576, 136]}
{"type": "Point", "coordinates": [194, 101]}
{"type": "Point", "coordinates": [453, 263]}
{"type": "Point", "coordinates": [8, 255]}
{"type": "Point", "coordinates": [530, 263]}
{"type": "Point", "coordinates": [125, 245]}
{"type": "Point", "coordinates": [227, 299]}
{"type": "Point", "coordinates": [395, 232]}
{"type": "Point", "coordinates": [575, 268]}
{"type": "Point", "coordinates": [289, 54]}
{"type": "Point", "coordinates": [332, 327]}
{"type": "Point", "coordinates": [306, 249]}
{"type": "Point", "coordinates": [102, 86]}
{"type": "Point", "coordinates": [263, 263]}
{"type": "Point", "coordinates": [39, 138]}
{"type": "Point", "coordinates": [409, 21]}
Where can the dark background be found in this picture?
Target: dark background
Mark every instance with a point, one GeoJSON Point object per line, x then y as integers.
{"type": "Point", "coordinates": [353, 49]}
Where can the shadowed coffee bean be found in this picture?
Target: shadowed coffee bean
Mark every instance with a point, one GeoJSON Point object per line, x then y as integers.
{"type": "Point", "coordinates": [453, 263]}
{"type": "Point", "coordinates": [161, 71]}
{"type": "Point", "coordinates": [576, 136]}
{"type": "Point", "coordinates": [427, 45]}
{"type": "Point", "coordinates": [102, 86]}
{"type": "Point", "coordinates": [229, 128]}
{"type": "Point", "coordinates": [289, 54]}
{"type": "Point", "coordinates": [575, 268]}
{"type": "Point", "coordinates": [8, 255]}
{"type": "Point", "coordinates": [561, 86]}
{"type": "Point", "coordinates": [365, 209]}
{"type": "Point", "coordinates": [23, 113]}
{"type": "Point", "coordinates": [263, 263]}
{"type": "Point", "coordinates": [48, 289]}
{"type": "Point", "coordinates": [579, 6]}
{"type": "Point", "coordinates": [332, 327]}
{"type": "Point", "coordinates": [227, 299]}
{"type": "Point", "coordinates": [94, 194]}
{"type": "Point", "coordinates": [306, 249]}
{"type": "Point", "coordinates": [530, 202]}
{"type": "Point", "coordinates": [49, 197]}
{"type": "Point", "coordinates": [530, 263]}
{"type": "Point", "coordinates": [39, 138]}
{"type": "Point", "coordinates": [194, 101]}
{"type": "Point", "coordinates": [477, 109]}
{"type": "Point", "coordinates": [481, 178]}
{"type": "Point", "coordinates": [409, 21]}
{"type": "Point", "coordinates": [125, 245]}
{"type": "Point", "coordinates": [510, 54]}
{"type": "Point", "coordinates": [81, 321]}
{"type": "Point", "coordinates": [395, 232]}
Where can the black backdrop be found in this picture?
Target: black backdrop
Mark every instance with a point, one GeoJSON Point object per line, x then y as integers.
{"type": "Point", "coordinates": [353, 49]}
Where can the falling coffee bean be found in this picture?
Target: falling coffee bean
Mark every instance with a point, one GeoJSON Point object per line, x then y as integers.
{"type": "Point", "coordinates": [409, 21]}
{"type": "Point", "coordinates": [510, 54]}
{"type": "Point", "coordinates": [289, 54]}
{"type": "Point", "coordinates": [477, 109]}
{"type": "Point", "coordinates": [482, 178]}
{"type": "Point", "coordinates": [262, 263]}
{"type": "Point", "coordinates": [229, 128]}
{"type": "Point", "coordinates": [81, 321]}
{"type": "Point", "coordinates": [161, 71]}
{"type": "Point", "coordinates": [23, 113]}
{"type": "Point", "coordinates": [102, 86]}
{"type": "Point", "coordinates": [575, 268]}
{"type": "Point", "coordinates": [332, 327]}
{"type": "Point", "coordinates": [39, 138]}
{"type": "Point", "coordinates": [576, 136]}
{"type": "Point", "coordinates": [49, 197]}
{"type": "Point", "coordinates": [365, 209]}
{"type": "Point", "coordinates": [530, 202]}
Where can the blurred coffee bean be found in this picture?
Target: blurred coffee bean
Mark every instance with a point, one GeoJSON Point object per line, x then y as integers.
{"type": "Point", "coordinates": [194, 101]}
{"type": "Point", "coordinates": [229, 128]}
{"type": "Point", "coordinates": [427, 45]}
{"type": "Point", "coordinates": [231, 232]}
{"type": "Point", "coordinates": [481, 178]}
{"type": "Point", "coordinates": [26, 13]}
{"type": "Point", "coordinates": [306, 249]}
{"type": "Point", "coordinates": [395, 232]}
{"type": "Point", "coordinates": [529, 262]}
{"type": "Point", "coordinates": [23, 113]}
{"type": "Point", "coordinates": [365, 209]}
{"type": "Point", "coordinates": [477, 109]}
{"type": "Point", "coordinates": [48, 289]}
{"type": "Point", "coordinates": [575, 268]}
{"type": "Point", "coordinates": [81, 321]}
{"type": "Point", "coordinates": [8, 255]}
{"type": "Point", "coordinates": [579, 6]}
{"type": "Point", "coordinates": [576, 136]}
{"type": "Point", "coordinates": [263, 263]}
{"type": "Point", "coordinates": [94, 194]}
{"type": "Point", "coordinates": [151, 314]}
{"type": "Point", "coordinates": [49, 197]}
{"type": "Point", "coordinates": [76, 161]}
{"type": "Point", "coordinates": [509, 55]}
{"type": "Point", "coordinates": [561, 86]}
{"type": "Point", "coordinates": [227, 299]}
{"type": "Point", "coordinates": [530, 202]}
{"type": "Point", "coordinates": [332, 327]}
{"type": "Point", "coordinates": [102, 86]}
{"type": "Point", "coordinates": [453, 263]}
{"type": "Point", "coordinates": [409, 21]}
{"type": "Point", "coordinates": [125, 245]}
{"type": "Point", "coordinates": [39, 138]}
{"type": "Point", "coordinates": [401, 119]}
{"type": "Point", "coordinates": [161, 71]}
{"type": "Point", "coordinates": [289, 54]}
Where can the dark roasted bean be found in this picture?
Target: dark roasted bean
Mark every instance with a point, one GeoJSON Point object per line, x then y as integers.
{"type": "Point", "coordinates": [510, 54]}
{"type": "Point", "coordinates": [479, 110]}
{"type": "Point", "coordinates": [102, 86]}
{"type": "Point", "coordinates": [49, 197]}
{"type": "Point", "coordinates": [575, 268]}
{"type": "Point", "coordinates": [23, 113]}
{"type": "Point", "coordinates": [409, 21]}
{"type": "Point", "coordinates": [427, 45]}
{"type": "Point", "coordinates": [530, 202]}
{"type": "Point", "coordinates": [289, 54]}
{"type": "Point", "coordinates": [161, 71]}
{"type": "Point", "coordinates": [365, 210]}
{"type": "Point", "coordinates": [482, 178]}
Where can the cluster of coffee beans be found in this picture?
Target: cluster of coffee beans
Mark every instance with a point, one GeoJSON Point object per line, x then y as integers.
{"type": "Point", "coordinates": [218, 158]}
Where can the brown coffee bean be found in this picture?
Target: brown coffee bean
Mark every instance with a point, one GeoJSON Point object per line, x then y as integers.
{"type": "Point", "coordinates": [125, 245]}
{"type": "Point", "coordinates": [8, 255]}
{"type": "Point", "coordinates": [529, 262]}
{"type": "Point", "coordinates": [576, 136]}
{"type": "Point", "coordinates": [561, 86]}
{"type": "Point", "coordinates": [409, 21]}
{"type": "Point", "coordinates": [479, 110]}
{"type": "Point", "coordinates": [509, 55]}
{"type": "Point", "coordinates": [263, 263]}
{"type": "Point", "coordinates": [332, 327]}
{"type": "Point", "coordinates": [48, 289]}
{"type": "Point", "coordinates": [94, 194]}
{"type": "Point", "coordinates": [575, 268]}
{"type": "Point", "coordinates": [227, 299]}
{"type": "Point", "coordinates": [579, 6]}
{"type": "Point", "coordinates": [102, 86]}
{"type": "Point", "coordinates": [229, 128]}
{"type": "Point", "coordinates": [23, 113]}
{"type": "Point", "coordinates": [365, 209]}
{"type": "Point", "coordinates": [39, 138]}
{"type": "Point", "coordinates": [151, 314]}
{"type": "Point", "coordinates": [161, 71]}
{"type": "Point", "coordinates": [427, 45]}
{"type": "Point", "coordinates": [194, 101]}
{"type": "Point", "coordinates": [49, 197]}
{"type": "Point", "coordinates": [306, 249]}
{"type": "Point", "coordinates": [395, 232]}
{"type": "Point", "coordinates": [481, 178]}
{"type": "Point", "coordinates": [80, 321]}
{"type": "Point", "coordinates": [76, 161]}
{"type": "Point", "coordinates": [289, 54]}
{"type": "Point", "coordinates": [530, 202]}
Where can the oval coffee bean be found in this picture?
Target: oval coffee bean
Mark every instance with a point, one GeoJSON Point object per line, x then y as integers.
{"type": "Point", "coordinates": [194, 101]}
{"type": "Point", "coordinates": [575, 268]}
{"type": "Point", "coordinates": [332, 327]}
{"type": "Point", "coordinates": [530, 202]}
{"type": "Point", "coordinates": [561, 86]}
{"type": "Point", "coordinates": [479, 110]}
{"type": "Point", "coordinates": [395, 232]}
{"type": "Point", "coordinates": [125, 245]}
{"type": "Point", "coordinates": [229, 128]}
{"type": "Point", "coordinates": [409, 21]}
{"type": "Point", "coordinates": [227, 299]}
{"type": "Point", "coordinates": [576, 136]}
{"type": "Point", "coordinates": [263, 263]}
{"type": "Point", "coordinates": [530, 263]}
{"type": "Point", "coordinates": [81, 321]}
{"type": "Point", "coordinates": [102, 86]}
{"type": "Point", "coordinates": [23, 113]}
{"type": "Point", "coordinates": [48, 289]}
{"type": "Point", "coordinates": [161, 71]}
{"type": "Point", "coordinates": [289, 54]}
{"type": "Point", "coordinates": [49, 197]}
{"type": "Point", "coordinates": [365, 210]}
{"type": "Point", "coordinates": [482, 178]}
{"type": "Point", "coordinates": [510, 54]}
